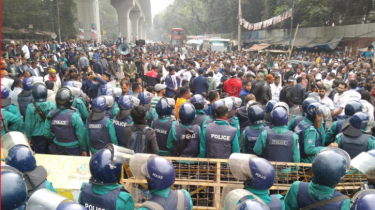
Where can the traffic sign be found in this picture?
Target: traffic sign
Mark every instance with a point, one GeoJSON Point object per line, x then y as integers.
{"type": "Point", "coordinates": [54, 36]}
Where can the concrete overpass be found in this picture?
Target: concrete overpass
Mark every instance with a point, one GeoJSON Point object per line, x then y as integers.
{"type": "Point", "coordinates": [134, 18]}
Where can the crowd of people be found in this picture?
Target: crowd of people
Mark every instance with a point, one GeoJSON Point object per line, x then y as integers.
{"type": "Point", "coordinates": [89, 99]}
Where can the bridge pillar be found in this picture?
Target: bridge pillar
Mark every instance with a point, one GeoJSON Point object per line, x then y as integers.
{"type": "Point", "coordinates": [88, 15]}
{"type": "Point", "coordinates": [123, 8]}
{"type": "Point", "coordinates": [140, 27]}
{"type": "Point", "coordinates": [144, 31]}
{"type": "Point", "coordinates": [135, 17]}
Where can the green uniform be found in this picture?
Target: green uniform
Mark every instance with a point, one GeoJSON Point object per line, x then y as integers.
{"type": "Point", "coordinates": [124, 200]}
{"type": "Point", "coordinates": [164, 120]}
{"type": "Point", "coordinates": [255, 127]}
{"type": "Point", "coordinates": [112, 134]}
{"type": "Point", "coordinates": [79, 128]}
{"type": "Point", "coordinates": [314, 191]}
{"type": "Point", "coordinates": [14, 110]}
{"type": "Point", "coordinates": [264, 195]}
{"type": "Point", "coordinates": [331, 132]}
{"type": "Point", "coordinates": [153, 113]}
{"type": "Point", "coordinates": [310, 136]}
{"type": "Point", "coordinates": [261, 143]}
{"type": "Point", "coordinates": [12, 121]}
{"type": "Point", "coordinates": [370, 146]}
{"type": "Point", "coordinates": [235, 143]}
{"type": "Point", "coordinates": [200, 112]}
{"type": "Point", "coordinates": [164, 193]}
{"type": "Point", "coordinates": [49, 186]}
{"type": "Point", "coordinates": [34, 124]}
{"type": "Point", "coordinates": [81, 107]}
{"type": "Point", "coordinates": [291, 124]}
{"type": "Point", "coordinates": [172, 137]}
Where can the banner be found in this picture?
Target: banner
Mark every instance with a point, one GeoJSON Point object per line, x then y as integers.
{"type": "Point", "coordinates": [94, 31]}
{"type": "Point", "coordinates": [266, 23]}
{"type": "Point", "coordinates": [81, 31]}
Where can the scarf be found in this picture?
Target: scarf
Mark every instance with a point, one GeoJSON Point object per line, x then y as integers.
{"type": "Point", "coordinates": [52, 79]}
{"type": "Point", "coordinates": [304, 81]}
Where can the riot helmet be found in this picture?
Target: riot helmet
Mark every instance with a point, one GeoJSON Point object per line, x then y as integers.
{"type": "Point", "coordinates": [145, 100]}
{"type": "Point", "coordinates": [100, 104]}
{"type": "Point", "coordinates": [198, 101]}
{"type": "Point", "coordinates": [159, 172]}
{"type": "Point", "coordinates": [13, 189]}
{"type": "Point", "coordinates": [283, 105]}
{"type": "Point", "coordinates": [5, 99]}
{"type": "Point", "coordinates": [330, 166]}
{"type": "Point", "coordinates": [352, 107]}
{"type": "Point", "coordinates": [70, 206]}
{"type": "Point", "coordinates": [364, 162]}
{"type": "Point", "coordinates": [258, 172]}
{"type": "Point", "coordinates": [39, 92]}
{"type": "Point", "coordinates": [306, 103]}
{"type": "Point", "coordinates": [45, 199]}
{"type": "Point", "coordinates": [215, 105]}
{"type": "Point", "coordinates": [279, 117]}
{"type": "Point", "coordinates": [314, 109]}
{"type": "Point", "coordinates": [64, 98]}
{"type": "Point", "coordinates": [127, 102]}
{"type": "Point", "coordinates": [268, 109]}
{"type": "Point", "coordinates": [27, 83]}
{"type": "Point", "coordinates": [106, 164]}
{"type": "Point", "coordinates": [163, 108]}
{"type": "Point", "coordinates": [21, 158]}
{"type": "Point", "coordinates": [186, 113]}
{"type": "Point", "coordinates": [359, 120]}
{"type": "Point", "coordinates": [363, 200]}
{"type": "Point", "coordinates": [241, 196]}
{"type": "Point", "coordinates": [255, 115]}
{"type": "Point", "coordinates": [250, 204]}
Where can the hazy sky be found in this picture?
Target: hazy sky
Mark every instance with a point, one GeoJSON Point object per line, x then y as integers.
{"type": "Point", "coordinates": [158, 6]}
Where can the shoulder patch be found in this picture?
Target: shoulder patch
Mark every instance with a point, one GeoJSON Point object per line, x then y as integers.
{"type": "Point", "coordinates": [312, 128]}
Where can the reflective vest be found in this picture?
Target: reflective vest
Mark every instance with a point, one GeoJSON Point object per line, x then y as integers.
{"type": "Point", "coordinates": [251, 138]}
{"type": "Point", "coordinates": [98, 133]}
{"type": "Point", "coordinates": [279, 147]}
{"type": "Point", "coordinates": [200, 120]}
{"type": "Point", "coordinates": [162, 132]}
{"type": "Point", "coordinates": [176, 199]}
{"type": "Point", "coordinates": [120, 130]}
{"type": "Point", "coordinates": [91, 200]}
{"type": "Point", "coordinates": [304, 200]}
{"type": "Point", "coordinates": [219, 140]}
{"type": "Point", "coordinates": [24, 99]}
{"type": "Point", "coordinates": [62, 127]}
{"type": "Point", "coordinates": [275, 203]}
{"type": "Point", "coordinates": [192, 150]}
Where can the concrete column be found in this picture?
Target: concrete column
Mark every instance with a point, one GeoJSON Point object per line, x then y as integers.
{"type": "Point", "coordinates": [144, 31]}
{"type": "Point", "coordinates": [88, 13]}
{"type": "Point", "coordinates": [140, 27]}
{"type": "Point", "coordinates": [123, 8]}
{"type": "Point", "coordinates": [134, 18]}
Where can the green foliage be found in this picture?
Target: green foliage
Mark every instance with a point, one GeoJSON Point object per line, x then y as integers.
{"type": "Point", "coordinates": [108, 18]}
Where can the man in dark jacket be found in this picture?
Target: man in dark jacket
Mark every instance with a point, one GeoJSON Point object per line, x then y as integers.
{"type": "Point", "coordinates": [112, 66]}
{"type": "Point", "coordinates": [288, 73]}
{"type": "Point", "coordinates": [200, 83]}
{"type": "Point", "coordinates": [265, 90]}
{"type": "Point", "coordinates": [286, 94]}
{"type": "Point", "coordinates": [170, 82]}
{"type": "Point", "coordinates": [97, 66]}
{"type": "Point", "coordinates": [299, 92]}
{"type": "Point", "coordinates": [257, 90]}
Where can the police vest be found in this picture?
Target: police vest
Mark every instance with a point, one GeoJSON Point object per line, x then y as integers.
{"type": "Point", "coordinates": [177, 200]}
{"type": "Point", "coordinates": [300, 130]}
{"type": "Point", "coordinates": [304, 200]}
{"type": "Point", "coordinates": [24, 99]}
{"type": "Point", "coordinates": [62, 127]}
{"type": "Point", "coordinates": [192, 150]}
{"type": "Point", "coordinates": [35, 180]}
{"type": "Point", "coordinates": [279, 147]}
{"type": "Point", "coordinates": [243, 118]}
{"type": "Point", "coordinates": [162, 132]}
{"type": "Point", "coordinates": [275, 203]}
{"type": "Point", "coordinates": [354, 145]}
{"type": "Point", "coordinates": [200, 120]}
{"type": "Point", "coordinates": [297, 120]}
{"type": "Point", "coordinates": [120, 130]}
{"type": "Point", "coordinates": [91, 200]}
{"type": "Point", "coordinates": [338, 127]}
{"type": "Point", "coordinates": [219, 140]}
{"type": "Point", "coordinates": [109, 112]}
{"type": "Point", "coordinates": [98, 133]}
{"type": "Point", "coordinates": [251, 138]}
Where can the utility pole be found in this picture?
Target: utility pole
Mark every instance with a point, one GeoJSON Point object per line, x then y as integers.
{"type": "Point", "coordinates": [50, 11]}
{"type": "Point", "coordinates": [239, 25]}
{"type": "Point", "coordinates": [291, 28]}
{"type": "Point", "coordinates": [58, 19]}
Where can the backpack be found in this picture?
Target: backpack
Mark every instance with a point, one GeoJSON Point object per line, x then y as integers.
{"type": "Point", "coordinates": [137, 140]}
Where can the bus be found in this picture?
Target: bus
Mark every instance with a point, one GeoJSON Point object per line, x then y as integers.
{"type": "Point", "coordinates": [177, 36]}
{"type": "Point", "coordinates": [220, 45]}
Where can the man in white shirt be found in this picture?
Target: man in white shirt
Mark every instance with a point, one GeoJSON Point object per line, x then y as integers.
{"type": "Point", "coordinates": [325, 100]}
{"type": "Point", "coordinates": [25, 50]}
{"type": "Point", "coordinates": [352, 94]}
{"type": "Point", "coordinates": [217, 76]}
{"type": "Point", "coordinates": [276, 87]}
{"type": "Point", "coordinates": [339, 101]}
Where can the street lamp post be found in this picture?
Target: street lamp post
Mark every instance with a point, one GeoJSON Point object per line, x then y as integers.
{"type": "Point", "coordinates": [291, 28]}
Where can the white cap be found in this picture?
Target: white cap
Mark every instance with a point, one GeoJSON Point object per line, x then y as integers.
{"type": "Point", "coordinates": [315, 69]}
{"type": "Point", "coordinates": [324, 64]}
{"type": "Point", "coordinates": [160, 87]}
{"type": "Point", "coordinates": [318, 77]}
{"type": "Point", "coordinates": [12, 42]}
{"type": "Point", "coordinates": [289, 66]}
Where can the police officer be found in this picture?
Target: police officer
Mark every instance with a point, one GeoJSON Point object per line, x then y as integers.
{"type": "Point", "coordinates": [21, 157]}
{"type": "Point", "coordinates": [163, 124]}
{"type": "Point", "coordinates": [258, 177]}
{"type": "Point", "coordinates": [113, 110]}
{"type": "Point", "coordinates": [13, 189]}
{"type": "Point", "coordinates": [351, 108]}
{"type": "Point", "coordinates": [123, 118]}
{"type": "Point", "coordinates": [145, 101]}
{"type": "Point", "coordinates": [221, 138]}
{"type": "Point", "coordinates": [278, 140]}
{"type": "Point", "coordinates": [65, 126]}
{"type": "Point", "coordinates": [353, 139]}
{"type": "Point", "coordinates": [184, 139]}
{"type": "Point", "coordinates": [36, 115]}
{"type": "Point", "coordinates": [78, 103]}
{"type": "Point", "coordinates": [7, 104]}
{"type": "Point", "coordinates": [329, 168]}
{"type": "Point", "coordinates": [46, 200]}
{"type": "Point", "coordinates": [103, 190]}
{"type": "Point", "coordinates": [243, 200]}
{"type": "Point", "coordinates": [267, 115]}
{"type": "Point", "coordinates": [309, 132]}
{"type": "Point", "coordinates": [297, 119]}
{"type": "Point", "coordinates": [9, 122]}
{"type": "Point", "coordinates": [160, 176]}
{"type": "Point", "coordinates": [364, 163]}
{"type": "Point", "coordinates": [25, 96]}
{"type": "Point", "coordinates": [232, 111]}
{"type": "Point", "coordinates": [252, 132]}
{"type": "Point", "coordinates": [100, 128]}
{"type": "Point", "coordinates": [364, 200]}
{"type": "Point", "coordinates": [201, 118]}
{"type": "Point", "coordinates": [79, 93]}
